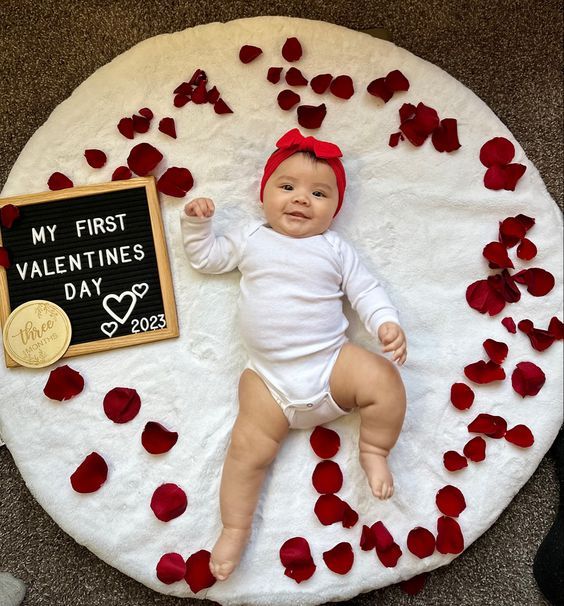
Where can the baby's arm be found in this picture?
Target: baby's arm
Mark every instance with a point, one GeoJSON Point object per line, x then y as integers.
{"type": "Point", "coordinates": [206, 252]}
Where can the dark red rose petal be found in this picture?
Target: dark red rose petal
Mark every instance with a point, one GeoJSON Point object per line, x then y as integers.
{"type": "Point", "coordinates": [200, 94]}
{"type": "Point", "coordinates": [503, 177]}
{"type": "Point", "coordinates": [213, 95]}
{"type": "Point", "coordinates": [556, 328]}
{"type": "Point", "coordinates": [58, 181]}
{"type": "Point", "coordinates": [367, 540]}
{"type": "Point", "coordinates": [445, 136]}
{"type": "Point", "coordinates": [143, 158]}
{"type": "Point", "coordinates": [95, 157]}
{"type": "Point", "coordinates": [490, 425]}
{"type": "Point", "coordinates": [513, 172]}
{"type": "Point", "coordinates": [140, 124]}
{"type": "Point", "coordinates": [146, 113]}
{"type": "Point", "coordinates": [5, 260]}
{"type": "Point", "coordinates": [166, 126]}
{"type": "Point", "coordinates": [90, 474]}
{"type": "Point", "coordinates": [379, 88]}
{"type": "Point", "coordinates": [220, 107]}
{"type": "Point", "coordinates": [527, 379]}
{"type": "Point", "coordinates": [425, 121]}
{"type": "Point", "coordinates": [450, 501]}
{"type": "Point", "coordinates": [63, 384]}
{"type": "Point", "coordinates": [482, 297]}
{"type": "Point", "coordinates": [511, 231]}
{"type": "Point", "coordinates": [287, 99]}
{"type": "Point", "coordinates": [184, 90]}
{"type": "Point", "coordinates": [175, 181]}
{"type": "Point", "coordinates": [121, 173]}
{"type": "Point", "coordinates": [521, 436]}
{"type": "Point", "coordinates": [9, 213]}
{"type": "Point", "coordinates": [321, 83]}
{"type": "Point", "coordinates": [540, 339]}
{"type": "Point", "coordinates": [407, 111]}
{"type": "Point", "coordinates": [157, 439]}
{"type": "Point", "coordinates": [324, 442]}
{"type": "Point", "coordinates": [539, 282]}
{"type": "Point", "coordinates": [484, 372]}
{"type": "Point", "coordinates": [329, 509]}
{"type": "Point", "coordinates": [496, 350]}
{"type": "Point", "coordinates": [168, 502]}
{"type": "Point", "coordinates": [395, 139]}
{"type": "Point", "coordinates": [342, 87]}
{"type": "Point", "coordinates": [125, 127]}
{"type": "Point", "coordinates": [339, 559]}
{"type": "Point", "coordinates": [350, 516]}
{"type": "Point", "coordinates": [198, 76]}
{"type": "Point", "coordinates": [274, 74]}
{"type": "Point", "coordinates": [498, 150]}
{"type": "Point", "coordinates": [249, 53]}
{"type": "Point", "coordinates": [414, 585]}
{"type": "Point", "coordinates": [526, 221]}
{"type": "Point", "coordinates": [121, 404]}
{"type": "Point", "coordinates": [171, 568]}
{"type": "Point", "coordinates": [311, 116]}
{"type": "Point", "coordinates": [509, 323]}
{"type": "Point", "coordinates": [526, 250]}
{"type": "Point", "coordinates": [454, 461]}
{"type": "Point", "coordinates": [396, 81]}
{"type": "Point", "coordinates": [449, 536]}
{"type": "Point", "coordinates": [180, 100]}
{"type": "Point", "coordinates": [496, 254]}
{"type": "Point", "coordinates": [327, 477]}
{"type": "Point", "coordinates": [526, 326]}
{"type": "Point", "coordinates": [421, 542]}
{"type": "Point", "coordinates": [389, 557]}
{"type": "Point", "coordinates": [475, 449]}
{"type": "Point", "coordinates": [295, 556]}
{"type": "Point", "coordinates": [198, 574]}
{"type": "Point", "coordinates": [383, 539]}
{"type": "Point", "coordinates": [292, 50]}
{"type": "Point", "coordinates": [461, 396]}
{"type": "Point", "coordinates": [294, 77]}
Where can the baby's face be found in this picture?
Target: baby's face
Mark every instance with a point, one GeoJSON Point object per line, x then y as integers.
{"type": "Point", "coordinates": [300, 186]}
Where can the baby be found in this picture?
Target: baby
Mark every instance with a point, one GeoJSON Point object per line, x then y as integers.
{"type": "Point", "coordinates": [302, 369]}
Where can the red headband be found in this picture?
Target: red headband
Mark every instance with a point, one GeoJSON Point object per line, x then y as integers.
{"type": "Point", "coordinates": [292, 142]}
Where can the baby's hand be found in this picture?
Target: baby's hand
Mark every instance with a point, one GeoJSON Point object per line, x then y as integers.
{"type": "Point", "coordinates": [200, 207]}
{"type": "Point", "coordinates": [393, 339]}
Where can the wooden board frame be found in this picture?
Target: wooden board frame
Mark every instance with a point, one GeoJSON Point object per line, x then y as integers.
{"type": "Point", "coordinates": [161, 251]}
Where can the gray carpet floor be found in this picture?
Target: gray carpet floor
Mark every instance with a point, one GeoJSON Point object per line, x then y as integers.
{"type": "Point", "coordinates": [508, 52]}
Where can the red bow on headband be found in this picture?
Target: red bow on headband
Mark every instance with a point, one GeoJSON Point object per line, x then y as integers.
{"type": "Point", "coordinates": [295, 139]}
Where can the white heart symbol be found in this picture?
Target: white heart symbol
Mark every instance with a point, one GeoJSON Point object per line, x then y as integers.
{"type": "Point", "coordinates": [109, 328]}
{"type": "Point", "coordinates": [140, 289]}
{"type": "Point", "coordinates": [120, 319]}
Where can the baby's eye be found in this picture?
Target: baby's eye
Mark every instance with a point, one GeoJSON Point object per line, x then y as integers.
{"type": "Point", "coordinates": [287, 185]}
{"type": "Point", "coordinates": [321, 194]}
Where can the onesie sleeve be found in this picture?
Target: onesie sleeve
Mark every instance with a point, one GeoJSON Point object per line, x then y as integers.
{"type": "Point", "coordinates": [364, 291]}
{"type": "Point", "coordinates": [207, 252]}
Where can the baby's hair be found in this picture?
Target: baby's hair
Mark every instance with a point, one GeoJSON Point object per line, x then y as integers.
{"type": "Point", "coordinates": [309, 154]}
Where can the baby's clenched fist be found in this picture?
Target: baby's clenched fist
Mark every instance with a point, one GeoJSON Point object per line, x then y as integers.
{"type": "Point", "coordinates": [200, 207]}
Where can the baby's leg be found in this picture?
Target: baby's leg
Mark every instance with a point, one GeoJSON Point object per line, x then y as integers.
{"type": "Point", "coordinates": [363, 379]}
{"type": "Point", "coordinates": [257, 434]}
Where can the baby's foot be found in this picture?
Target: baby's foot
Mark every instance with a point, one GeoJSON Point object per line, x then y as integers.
{"type": "Point", "coordinates": [227, 551]}
{"type": "Point", "coordinates": [378, 474]}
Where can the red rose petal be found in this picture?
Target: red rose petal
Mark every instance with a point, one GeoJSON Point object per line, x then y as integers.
{"type": "Point", "coordinates": [511, 231]}
{"type": "Point", "coordinates": [461, 396]}
{"type": "Point", "coordinates": [454, 461]}
{"type": "Point", "coordinates": [213, 95]}
{"type": "Point", "coordinates": [450, 501]}
{"type": "Point", "coordinates": [166, 126]}
{"type": "Point", "coordinates": [414, 585]}
{"type": "Point", "coordinates": [324, 442]}
{"type": "Point", "coordinates": [389, 557]}
{"type": "Point", "coordinates": [449, 536]}
{"type": "Point", "coordinates": [63, 384]}
{"type": "Point", "coordinates": [146, 113]}
{"type": "Point", "coordinates": [490, 425]}
{"type": "Point", "coordinates": [513, 172]}
{"type": "Point", "coordinates": [379, 88]}
{"type": "Point", "coordinates": [168, 502]}
{"type": "Point", "coordinates": [339, 559]}
{"type": "Point", "coordinates": [287, 99]}
{"type": "Point", "coordinates": [121, 173]}
{"type": "Point", "coordinates": [494, 177]}
{"type": "Point", "coordinates": [295, 556]}
{"type": "Point", "coordinates": [95, 157]}
{"type": "Point", "coordinates": [311, 116]}
{"type": "Point", "coordinates": [327, 477]}
{"type": "Point", "coordinates": [556, 328]}
{"type": "Point", "coordinates": [482, 297]}
{"type": "Point", "coordinates": [292, 50]}
{"type": "Point", "coordinates": [59, 181]}
{"type": "Point", "coordinates": [526, 250]}
{"type": "Point", "coordinates": [5, 260]}
{"type": "Point", "coordinates": [383, 539]}
{"type": "Point", "coordinates": [171, 568]}
{"type": "Point", "coordinates": [421, 542]}
{"type": "Point", "coordinates": [220, 107]}
{"type": "Point", "coordinates": [329, 509]}
{"type": "Point", "coordinates": [498, 150]}
{"type": "Point", "coordinates": [321, 83]}
{"type": "Point", "coordinates": [294, 77]}
{"type": "Point", "coordinates": [504, 286]}
{"type": "Point", "coordinates": [496, 350]}
{"type": "Point", "coordinates": [185, 89]}
{"type": "Point", "coordinates": [367, 540]}
{"type": "Point", "coordinates": [200, 93]}
{"type": "Point", "coordinates": [484, 372]}
{"type": "Point", "coordinates": [143, 158]}
{"type": "Point", "coordinates": [274, 74]}
{"type": "Point", "coordinates": [9, 213]}
{"type": "Point", "coordinates": [527, 379]}
{"type": "Point", "coordinates": [140, 124]}
{"type": "Point", "coordinates": [509, 323]}
{"type": "Point", "coordinates": [526, 326]}
{"type": "Point", "coordinates": [157, 439]}
{"type": "Point", "coordinates": [521, 436]}
{"type": "Point", "coordinates": [396, 81]}
{"type": "Point", "coordinates": [539, 282]}
{"type": "Point", "coordinates": [526, 221]}
{"type": "Point", "coordinates": [540, 339]}
{"type": "Point", "coordinates": [350, 516]}
{"type": "Point", "coordinates": [198, 574]}
{"type": "Point", "coordinates": [249, 53]}
{"type": "Point", "coordinates": [90, 474]}
{"type": "Point", "coordinates": [475, 449]}
{"type": "Point", "coordinates": [496, 254]}
{"type": "Point", "coordinates": [175, 181]}
{"type": "Point", "coordinates": [342, 87]}
{"type": "Point", "coordinates": [395, 139]}
{"type": "Point", "coordinates": [181, 100]}
{"type": "Point", "coordinates": [125, 127]}
{"type": "Point", "coordinates": [445, 136]}
{"type": "Point", "coordinates": [198, 76]}
{"type": "Point", "coordinates": [121, 404]}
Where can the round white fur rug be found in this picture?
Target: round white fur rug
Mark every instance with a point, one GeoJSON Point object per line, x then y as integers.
{"type": "Point", "coordinates": [420, 220]}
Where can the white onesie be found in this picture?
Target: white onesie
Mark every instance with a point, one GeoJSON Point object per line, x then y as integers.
{"type": "Point", "coordinates": [290, 303]}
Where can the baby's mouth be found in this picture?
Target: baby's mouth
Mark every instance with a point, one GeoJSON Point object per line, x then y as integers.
{"type": "Point", "coordinates": [297, 214]}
